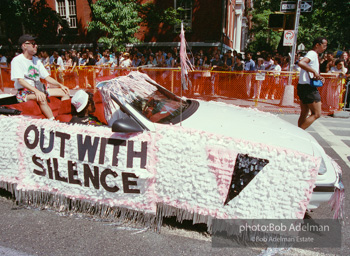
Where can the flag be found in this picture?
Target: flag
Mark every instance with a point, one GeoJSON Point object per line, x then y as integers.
{"type": "Point", "coordinates": [185, 62]}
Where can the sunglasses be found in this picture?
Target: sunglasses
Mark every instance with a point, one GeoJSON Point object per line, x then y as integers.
{"type": "Point", "coordinates": [33, 44]}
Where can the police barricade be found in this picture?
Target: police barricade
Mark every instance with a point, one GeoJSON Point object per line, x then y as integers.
{"type": "Point", "coordinates": [265, 88]}
{"type": "Point", "coordinates": [347, 96]}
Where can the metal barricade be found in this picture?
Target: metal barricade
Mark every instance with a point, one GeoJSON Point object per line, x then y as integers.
{"type": "Point", "coordinates": [347, 97]}
{"type": "Point", "coordinates": [261, 89]}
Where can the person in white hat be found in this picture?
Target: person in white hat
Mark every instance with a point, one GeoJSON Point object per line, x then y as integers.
{"type": "Point", "coordinates": [84, 105]}
{"type": "Point", "coordinates": [26, 72]}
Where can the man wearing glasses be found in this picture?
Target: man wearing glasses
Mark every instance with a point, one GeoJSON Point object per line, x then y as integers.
{"type": "Point", "coordinates": [26, 72]}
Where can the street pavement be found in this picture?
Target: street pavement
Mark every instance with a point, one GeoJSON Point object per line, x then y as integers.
{"type": "Point", "coordinates": [30, 231]}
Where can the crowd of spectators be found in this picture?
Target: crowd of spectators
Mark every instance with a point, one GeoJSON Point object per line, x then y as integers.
{"type": "Point", "coordinates": [208, 59]}
{"type": "Point", "coordinates": [212, 58]}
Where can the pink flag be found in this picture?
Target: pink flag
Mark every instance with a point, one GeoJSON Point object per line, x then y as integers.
{"type": "Point", "coordinates": [185, 62]}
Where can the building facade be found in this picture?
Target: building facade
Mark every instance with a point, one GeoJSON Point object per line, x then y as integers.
{"type": "Point", "coordinates": [210, 23]}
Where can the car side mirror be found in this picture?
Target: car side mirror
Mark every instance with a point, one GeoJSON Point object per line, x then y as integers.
{"type": "Point", "coordinates": [126, 125]}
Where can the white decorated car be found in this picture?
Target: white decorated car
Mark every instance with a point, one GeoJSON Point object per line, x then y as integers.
{"type": "Point", "coordinates": [163, 155]}
{"type": "Point", "coordinates": [159, 107]}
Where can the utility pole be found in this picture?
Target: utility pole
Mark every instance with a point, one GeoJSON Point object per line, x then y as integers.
{"type": "Point", "coordinates": [288, 95]}
{"type": "Point", "coordinates": [294, 47]}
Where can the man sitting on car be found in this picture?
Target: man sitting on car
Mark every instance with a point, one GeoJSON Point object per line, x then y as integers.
{"type": "Point", "coordinates": [26, 72]}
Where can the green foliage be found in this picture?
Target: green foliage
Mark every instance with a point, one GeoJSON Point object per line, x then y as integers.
{"type": "Point", "coordinates": [264, 38]}
{"type": "Point", "coordinates": [44, 22]}
{"type": "Point", "coordinates": [329, 18]}
{"type": "Point", "coordinates": [36, 18]}
{"type": "Point", "coordinates": [115, 22]}
{"type": "Point", "coordinates": [152, 16]}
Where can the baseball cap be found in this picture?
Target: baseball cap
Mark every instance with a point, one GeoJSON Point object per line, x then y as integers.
{"type": "Point", "coordinates": [80, 100]}
{"type": "Point", "coordinates": [24, 38]}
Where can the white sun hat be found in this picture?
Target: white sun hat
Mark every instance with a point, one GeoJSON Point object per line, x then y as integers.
{"type": "Point", "coordinates": [80, 100]}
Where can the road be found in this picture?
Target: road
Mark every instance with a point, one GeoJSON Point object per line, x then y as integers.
{"type": "Point", "coordinates": [25, 231]}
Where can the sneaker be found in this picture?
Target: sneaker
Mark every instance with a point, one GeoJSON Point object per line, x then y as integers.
{"type": "Point", "coordinates": [266, 97]}
{"type": "Point", "coordinates": [272, 97]}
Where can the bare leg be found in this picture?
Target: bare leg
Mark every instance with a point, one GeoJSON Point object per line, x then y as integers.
{"type": "Point", "coordinates": [45, 108]}
{"type": "Point", "coordinates": [58, 92]}
{"type": "Point", "coordinates": [304, 120]}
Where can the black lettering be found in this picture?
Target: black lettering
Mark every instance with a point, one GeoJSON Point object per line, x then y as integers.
{"type": "Point", "coordinates": [57, 173]}
{"type": "Point", "coordinates": [132, 154]}
{"type": "Point", "coordinates": [36, 136]}
{"type": "Point", "coordinates": [49, 168]}
{"type": "Point", "coordinates": [64, 137]}
{"type": "Point", "coordinates": [102, 151]}
{"type": "Point", "coordinates": [89, 176]}
{"type": "Point", "coordinates": [116, 143]}
{"type": "Point", "coordinates": [72, 172]}
{"type": "Point", "coordinates": [127, 183]}
{"type": "Point", "coordinates": [104, 183]}
{"type": "Point", "coordinates": [37, 163]}
{"type": "Point", "coordinates": [87, 146]}
{"type": "Point", "coordinates": [51, 141]}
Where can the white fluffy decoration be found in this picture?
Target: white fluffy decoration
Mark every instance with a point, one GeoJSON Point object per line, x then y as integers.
{"type": "Point", "coordinates": [187, 170]}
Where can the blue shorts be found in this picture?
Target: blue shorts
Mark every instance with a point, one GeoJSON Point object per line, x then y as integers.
{"type": "Point", "coordinates": [308, 94]}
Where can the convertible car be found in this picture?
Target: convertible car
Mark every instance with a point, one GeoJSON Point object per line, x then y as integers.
{"type": "Point", "coordinates": [164, 155]}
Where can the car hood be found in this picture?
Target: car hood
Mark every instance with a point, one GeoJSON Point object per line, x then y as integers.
{"type": "Point", "coordinates": [249, 124]}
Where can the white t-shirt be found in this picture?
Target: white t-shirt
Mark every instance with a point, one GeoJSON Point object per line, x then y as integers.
{"type": "Point", "coordinates": [31, 70]}
{"type": "Point", "coordinates": [304, 77]}
{"type": "Point", "coordinates": [60, 63]}
{"type": "Point", "coordinates": [336, 70]}
{"type": "Point", "coordinates": [125, 63]}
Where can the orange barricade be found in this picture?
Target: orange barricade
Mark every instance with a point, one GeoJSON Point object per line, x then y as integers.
{"type": "Point", "coordinates": [261, 89]}
{"type": "Point", "coordinates": [5, 78]}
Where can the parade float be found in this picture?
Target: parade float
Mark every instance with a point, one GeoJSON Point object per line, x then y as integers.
{"type": "Point", "coordinates": [159, 155]}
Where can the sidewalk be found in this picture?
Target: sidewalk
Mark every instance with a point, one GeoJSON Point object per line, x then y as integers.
{"type": "Point", "coordinates": [269, 105]}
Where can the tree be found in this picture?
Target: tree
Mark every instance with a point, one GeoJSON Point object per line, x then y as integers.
{"type": "Point", "coordinates": [263, 37]}
{"type": "Point", "coordinates": [329, 18]}
{"type": "Point", "coordinates": [115, 22]}
{"type": "Point", "coordinates": [26, 16]}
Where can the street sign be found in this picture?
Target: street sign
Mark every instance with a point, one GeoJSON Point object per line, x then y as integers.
{"type": "Point", "coordinates": [291, 6]}
{"type": "Point", "coordinates": [306, 6]}
{"type": "Point", "coordinates": [288, 6]}
{"type": "Point", "coordinates": [288, 38]}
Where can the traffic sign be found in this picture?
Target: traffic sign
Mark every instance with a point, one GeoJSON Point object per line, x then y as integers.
{"type": "Point", "coordinates": [306, 6]}
{"type": "Point", "coordinates": [288, 38]}
{"type": "Point", "coordinates": [287, 6]}
{"type": "Point", "coordinates": [290, 6]}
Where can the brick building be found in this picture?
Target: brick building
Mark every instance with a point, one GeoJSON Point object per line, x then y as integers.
{"type": "Point", "coordinates": [212, 23]}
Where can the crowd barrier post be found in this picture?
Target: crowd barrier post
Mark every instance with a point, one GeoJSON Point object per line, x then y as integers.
{"type": "Point", "coordinates": [172, 81]}
{"type": "Point", "coordinates": [347, 97]}
{"type": "Point", "coordinates": [1, 80]}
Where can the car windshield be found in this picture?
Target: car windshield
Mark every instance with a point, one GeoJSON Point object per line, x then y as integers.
{"type": "Point", "coordinates": [148, 98]}
{"type": "Point", "coordinates": [159, 107]}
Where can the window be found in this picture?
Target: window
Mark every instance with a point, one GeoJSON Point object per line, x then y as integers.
{"type": "Point", "coordinates": [67, 10]}
{"type": "Point", "coordinates": [184, 8]}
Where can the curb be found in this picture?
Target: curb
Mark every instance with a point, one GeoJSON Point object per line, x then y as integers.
{"type": "Point", "coordinates": [341, 114]}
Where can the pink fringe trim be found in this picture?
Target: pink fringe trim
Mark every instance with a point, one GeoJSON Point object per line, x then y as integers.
{"type": "Point", "coordinates": [337, 203]}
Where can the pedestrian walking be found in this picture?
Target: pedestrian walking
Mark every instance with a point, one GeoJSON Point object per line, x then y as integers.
{"type": "Point", "coordinates": [310, 99]}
